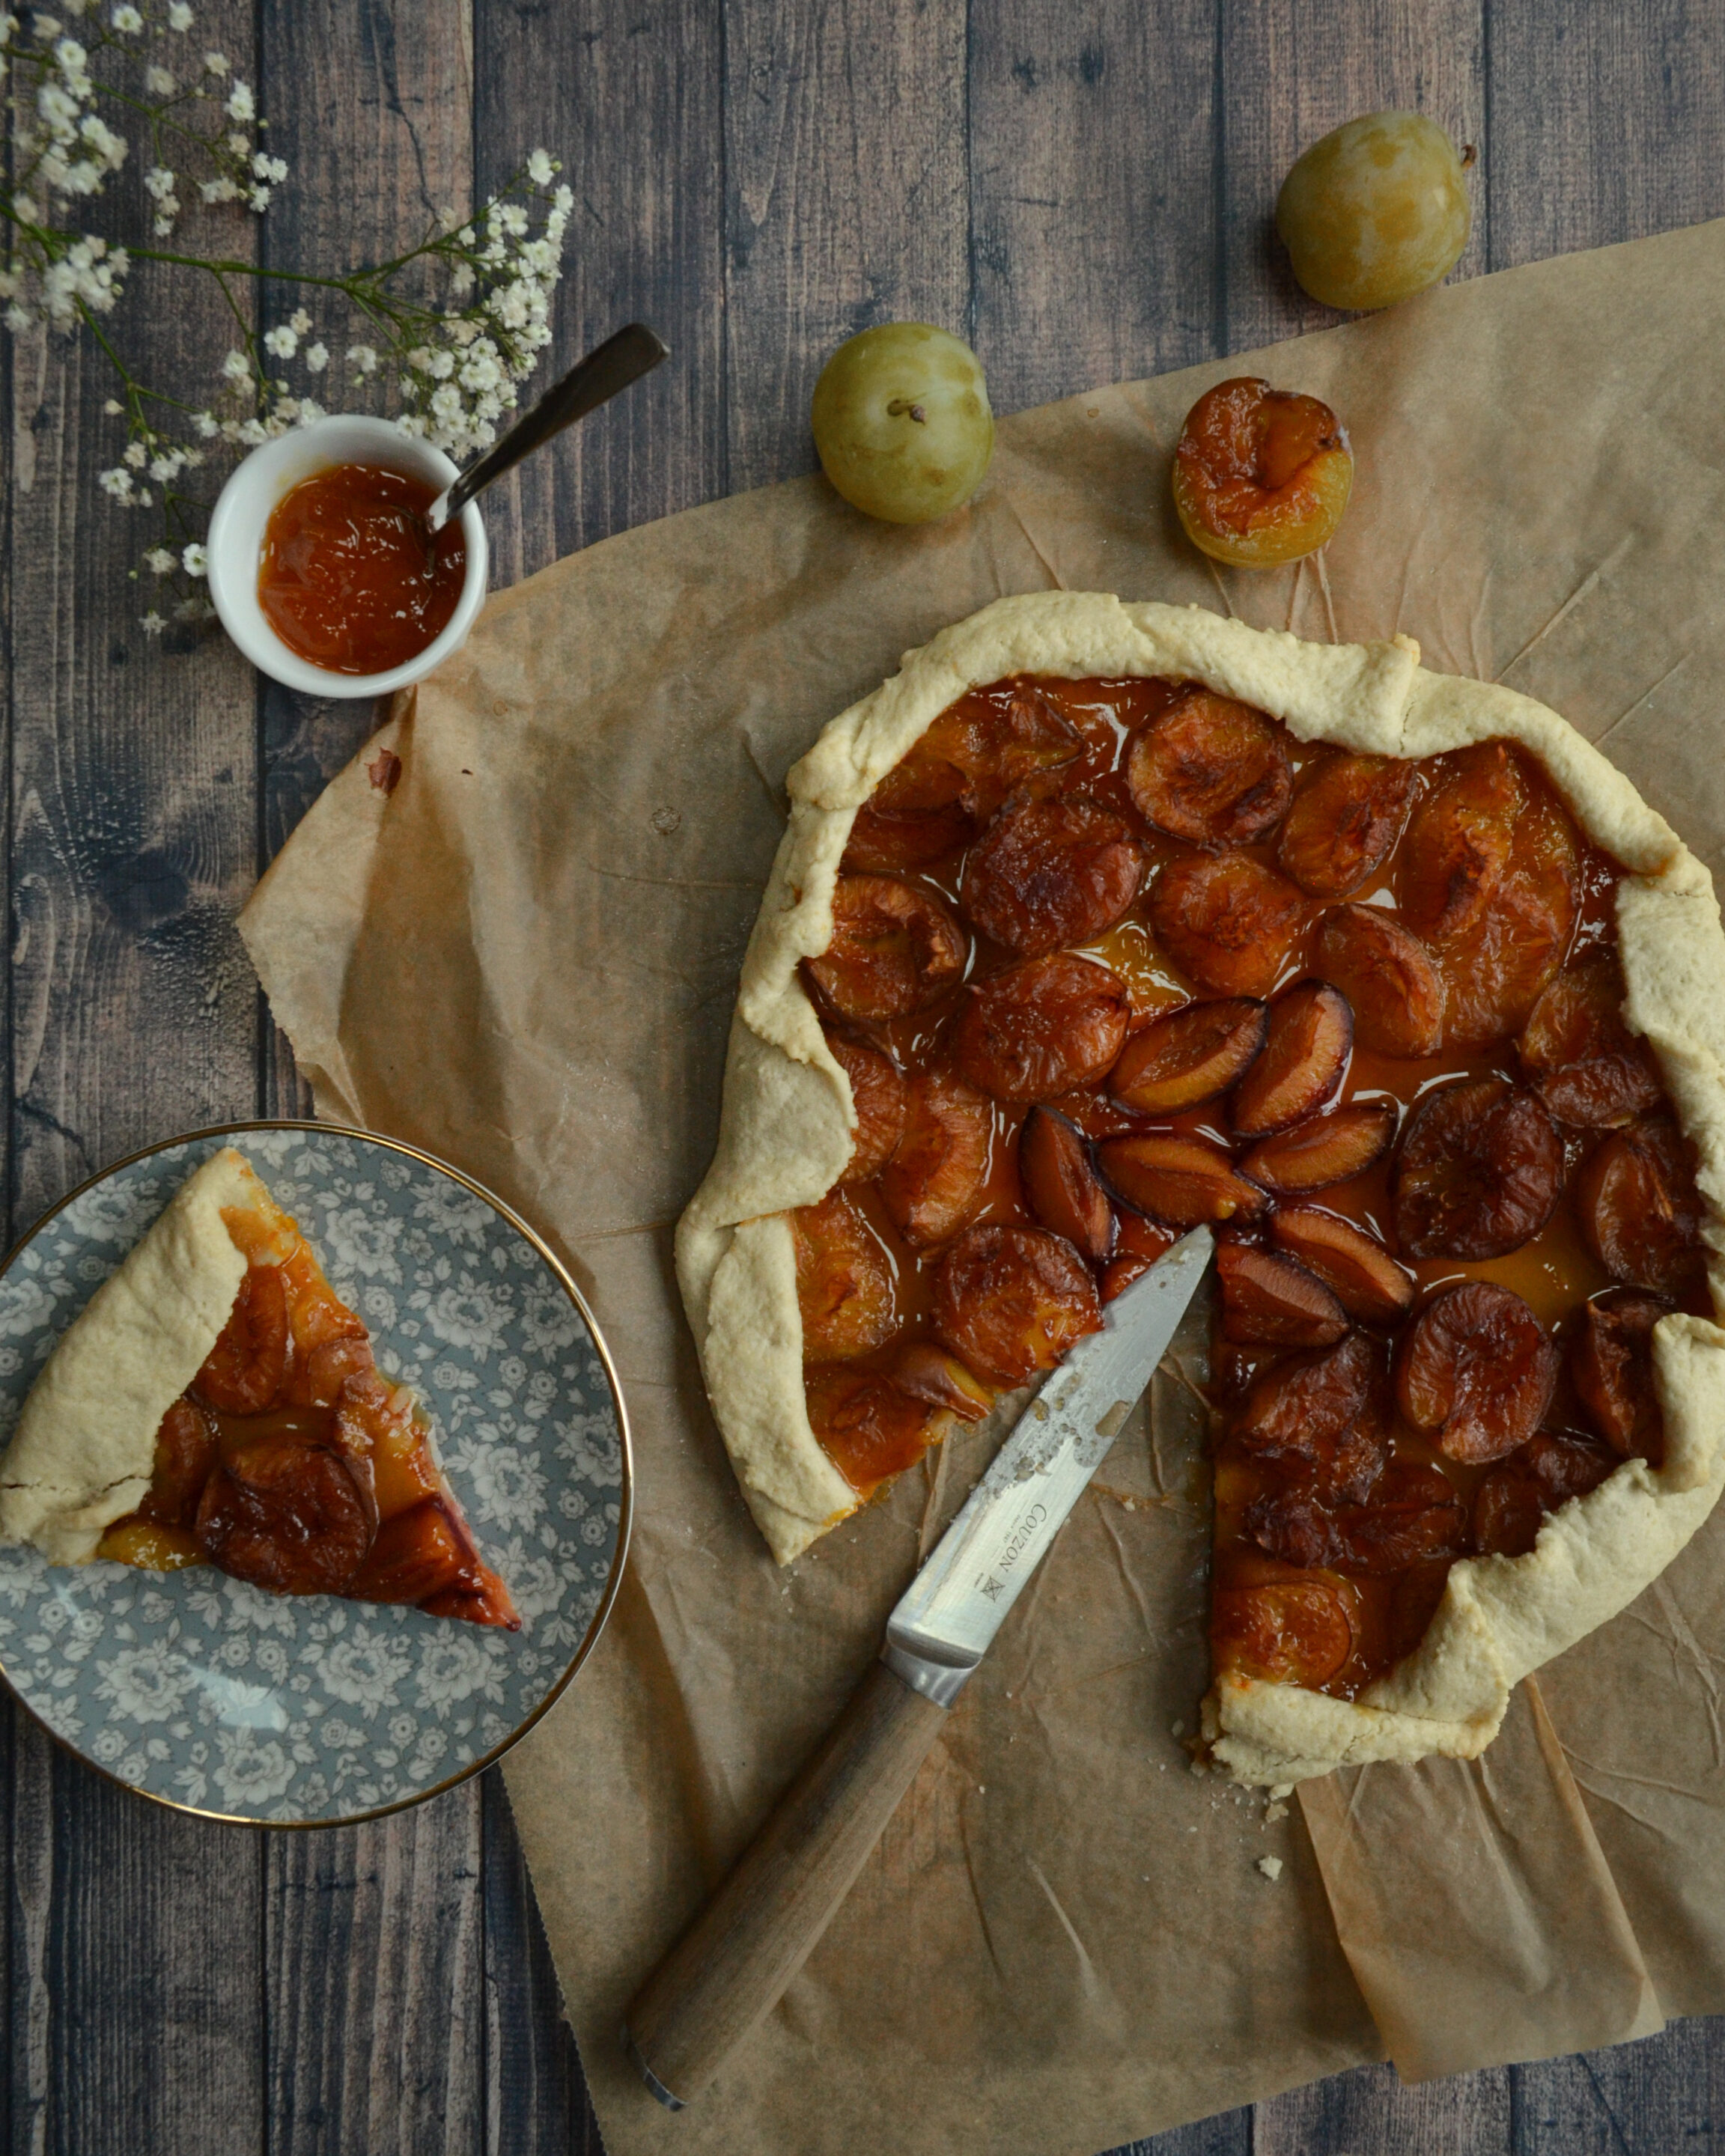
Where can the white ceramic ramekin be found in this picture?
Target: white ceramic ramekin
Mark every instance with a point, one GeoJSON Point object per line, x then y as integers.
{"type": "Point", "coordinates": [236, 542]}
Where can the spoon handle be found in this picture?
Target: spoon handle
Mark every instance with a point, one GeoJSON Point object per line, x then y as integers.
{"type": "Point", "coordinates": [620, 360]}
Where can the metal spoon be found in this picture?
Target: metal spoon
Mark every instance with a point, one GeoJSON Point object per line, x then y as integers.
{"type": "Point", "coordinates": [619, 360]}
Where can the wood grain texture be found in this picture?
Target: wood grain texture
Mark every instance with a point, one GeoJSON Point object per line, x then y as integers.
{"type": "Point", "coordinates": [1370, 2109]}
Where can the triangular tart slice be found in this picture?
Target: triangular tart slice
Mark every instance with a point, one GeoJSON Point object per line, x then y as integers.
{"type": "Point", "coordinates": [217, 1403]}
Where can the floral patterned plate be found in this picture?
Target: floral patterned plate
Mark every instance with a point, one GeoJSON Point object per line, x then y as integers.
{"type": "Point", "coordinates": [303, 1711]}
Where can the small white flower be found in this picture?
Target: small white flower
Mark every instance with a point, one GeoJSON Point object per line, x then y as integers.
{"type": "Point", "coordinates": [300, 323]}
{"type": "Point", "coordinates": [179, 16]}
{"type": "Point", "coordinates": [317, 358]}
{"type": "Point", "coordinates": [137, 455]}
{"type": "Point", "coordinates": [195, 560]}
{"type": "Point", "coordinates": [283, 341]}
{"type": "Point", "coordinates": [362, 358]}
{"type": "Point", "coordinates": [158, 561]}
{"type": "Point", "coordinates": [258, 199]}
{"type": "Point", "coordinates": [18, 318]}
{"type": "Point", "coordinates": [540, 168]}
{"type": "Point", "coordinates": [240, 103]}
{"type": "Point", "coordinates": [113, 407]}
{"type": "Point", "coordinates": [237, 367]}
{"type": "Point", "coordinates": [159, 183]}
{"type": "Point", "coordinates": [222, 189]}
{"type": "Point", "coordinates": [28, 211]}
{"type": "Point", "coordinates": [158, 82]}
{"type": "Point", "coordinates": [206, 425]}
{"type": "Point", "coordinates": [47, 28]}
{"type": "Point", "coordinates": [215, 63]}
{"type": "Point", "coordinates": [127, 21]}
{"type": "Point", "coordinates": [240, 145]}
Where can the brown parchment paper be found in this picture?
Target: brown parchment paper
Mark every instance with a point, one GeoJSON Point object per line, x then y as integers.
{"type": "Point", "coordinates": [524, 958]}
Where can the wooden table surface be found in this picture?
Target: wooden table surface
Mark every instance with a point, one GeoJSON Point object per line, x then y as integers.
{"type": "Point", "coordinates": [1082, 188]}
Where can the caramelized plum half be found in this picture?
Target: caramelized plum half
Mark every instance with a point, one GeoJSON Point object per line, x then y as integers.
{"type": "Point", "coordinates": [1228, 923]}
{"type": "Point", "coordinates": [878, 1094]}
{"type": "Point", "coordinates": [1390, 978]}
{"type": "Point", "coordinates": [1307, 1402]}
{"type": "Point", "coordinates": [1287, 1631]}
{"type": "Point", "coordinates": [1355, 1266]}
{"type": "Point", "coordinates": [418, 1553]}
{"type": "Point", "coordinates": [1042, 1028]}
{"type": "Point", "coordinates": [1182, 1181]}
{"type": "Point", "coordinates": [1498, 965]}
{"type": "Point", "coordinates": [1274, 1302]}
{"type": "Point", "coordinates": [1639, 1210]}
{"type": "Point", "coordinates": [1188, 1056]}
{"type": "Point", "coordinates": [894, 950]}
{"type": "Point", "coordinates": [1515, 1498]}
{"type": "Point", "coordinates": [934, 1181]}
{"type": "Point", "coordinates": [184, 1453]}
{"type": "Point", "coordinates": [1414, 1515]}
{"type": "Point", "coordinates": [893, 841]}
{"type": "Point", "coordinates": [843, 1281]}
{"type": "Point", "coordinates": [1479, 1171]}
{"type": "Point", "coordinates": [1139, 1243]}
{"type": "Point", "coordinates": [1262, 475]}
{"type": "Point", "coordinates": [293, 1515]}
{"type": "Point", "coordinates": [978, 750]}
{"type": "Point", "coordinates": [1612, 1365]}
{"type": "Point", "coordinates": [929, 1373]}
{"type": "Point", "coordinates": [1330, 1148]}
{"type": "Point", "coordinates": [243, 1373]}
{"type": "Point", "coordinates": [1458, 840]}
{"type": "Point", "coordinates": [1009, 1301]}
{"type": "Point", "coordinates": [1210, 770]}
{"type": "Point", "coordinates": [1476, 1371]}
{"type": "Point", "coordinates": [1305, 1053]}
{"type": "Point", "coordinates": [1061, 1187]}
{"type": "Point", "coordinates": [870, 1428]}
{"type": "Point", "coordinates": [1585, 1063]}
{"type": "Point", "coordinates": [1347, 814]}
{"type": "Point", "coordinates": [1050, 873]}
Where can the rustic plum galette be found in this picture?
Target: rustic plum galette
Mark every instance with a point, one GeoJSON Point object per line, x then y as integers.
{"type": "Point", "coordinates": [216, 1403]}
{"type": "Point", "coordinates": [1100, 921]}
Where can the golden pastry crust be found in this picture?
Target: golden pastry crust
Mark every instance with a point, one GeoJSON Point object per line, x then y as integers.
{"type": "Point", "coordinates": [85, 1446]}
{"type": "Point", "coordinates": [786, 1127]}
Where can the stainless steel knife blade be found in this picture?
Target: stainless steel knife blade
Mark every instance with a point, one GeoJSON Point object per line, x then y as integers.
{"type": "Point", "coordinates": [946, 1620]}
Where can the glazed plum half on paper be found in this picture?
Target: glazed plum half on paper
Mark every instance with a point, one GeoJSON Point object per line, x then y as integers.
{"type": "Point", "coordinates": [1099, 922]}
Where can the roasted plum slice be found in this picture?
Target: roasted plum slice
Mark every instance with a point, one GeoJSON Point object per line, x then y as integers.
{"type": "Point", "coordinates": [1061, 1187]}
{"type": "Point", "coordinates": [1479, 1171]}
{"type": "Point", "coordinates": [1355, 1266]}
{"type": "Point", "coordinates": [1458, 840]}
{"type": "Point", "coordinates": [1011, 1301]}
{"type": "Point", "coordinates": [1639, 1209]}
{"type": "Point", "coordinates": [291, 1514]}
{"type": "Point", "coordinates": [1050, 873]}
{"type": "Point", "coordinates": [1139, 1243]}
{"type": "Point", "coordinates": [978, 750]}
{"type": "Point", "coordinates": [1188, 1056]}
{"type": "Point", "coordinates": [1273, 1301]}
{"type": "Point", "coordinates": [1475, 1371]}
{"type": "Point", "coordinates": [1305, 1053]}
{"type": "Point", "coordinates": [843, 1281]}
{"type": "Point", "coordinates": [1210, 770]}
{"type": "Point", "coordinates": [895, 841]}
{"type": "Point", "coordinates": [1182, 1181]}
{"type": "Point", "coordinates": [878, 1094]}
{"type": "Point", "coordinates": [934, 1181]}
{"type": "Point", "coordinates": [1413, 1515]}
{"type": "Point", "coordinates": [1586, 1065]}
{"type": "Point", "coordinates": [1612, 1366]}
{"type": "Point", "coordinates": [1496, 966]}
{"type": "Point", "coordinates": [870, 1428]}
{"type": "Point", "coordinates": [1514, 1500]}
{"type": "Point", "coordinates": [1390, 979]}
{"type": "Point", "coordinates": [1296, 1630]}
{"type": "Point", "coordinates": [1228, 922]}
{"type": "Point", "coordinates": [243, 1373]}
{"type": "Point", "coordinates": [1310, 1400]}
{"type": "Point", "coordinates": [419, 1553]}
{"type": "Point", "coordinates": [1042, 1028]}
{"type": "Point", "coordinates": [186, 1450]}
{"type": "Point", "coordinates": [927, 1372]}
{"type": "Point", "coordinates": [1330, 1148]}
{"type": "Point", "coordinates": [894, 949]}
{"type": "Point", "coordinates": [1347, 814]}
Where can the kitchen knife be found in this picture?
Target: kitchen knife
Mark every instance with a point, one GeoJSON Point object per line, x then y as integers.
{"type": "Point", "coordinates": [731, 1968]}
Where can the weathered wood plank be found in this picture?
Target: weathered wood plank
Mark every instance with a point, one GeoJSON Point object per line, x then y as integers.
{"type": "Point", "coordinates": [374, 1948]}
{"type": "Point", "coordinates": [535, 2097]}
{"type": "Point", "coordinates": [1093, 203]}
{"type": "Point", "coordinates": [1230, 2133]}
{"type": "Point", "coordinates": [845, 200]}
{"type": "Point", "coordinates": [1634, 2100]}
{"type": "Point", "coordinates": [131, 818]}
{"type": "Point", "coordinates": [1290, 71]}
{"type": "Point", "coordinates": [626, 92]}
{"type": "Point", "coordinates": [1468, 2115]}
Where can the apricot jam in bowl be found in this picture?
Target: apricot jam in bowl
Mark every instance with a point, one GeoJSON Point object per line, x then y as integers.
{"type": "Point", "coordinates": [319, 564]}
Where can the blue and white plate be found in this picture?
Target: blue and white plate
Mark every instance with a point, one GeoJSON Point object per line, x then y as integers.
{"type": "Point", "coordinates": [301, 1711]}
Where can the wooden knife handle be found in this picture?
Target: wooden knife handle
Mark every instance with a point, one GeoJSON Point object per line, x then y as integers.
{"type": "Point", "coordinates": [731, 1968]}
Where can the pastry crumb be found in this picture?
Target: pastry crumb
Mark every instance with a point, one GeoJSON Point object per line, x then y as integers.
{"type": "Point", "coordinates": [1274, 1813]}
{"type": "Point", "coordinates": [1278, 1790]}
{"type": "Point", "coordinates": [1270, 1866]}
{"type": "Point", "coordinates": [1177, 1729]}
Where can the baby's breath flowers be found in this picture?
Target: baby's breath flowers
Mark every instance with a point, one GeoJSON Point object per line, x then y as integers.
{"type": "Point", "coordinates": [443, 333]}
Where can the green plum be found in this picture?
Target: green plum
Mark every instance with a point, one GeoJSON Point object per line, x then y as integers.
{"type": "Point", "coordinates": [1375, 212]}
{"type": "Point", "coordinates": [902, 424]}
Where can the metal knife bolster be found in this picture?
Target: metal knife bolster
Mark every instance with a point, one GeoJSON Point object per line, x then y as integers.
{"type": "Point", "coordinates": [948, 1617]}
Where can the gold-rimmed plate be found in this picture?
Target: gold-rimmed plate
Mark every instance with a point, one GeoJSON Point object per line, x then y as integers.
{"type": "Point", "coordinates": [208, 1695]}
